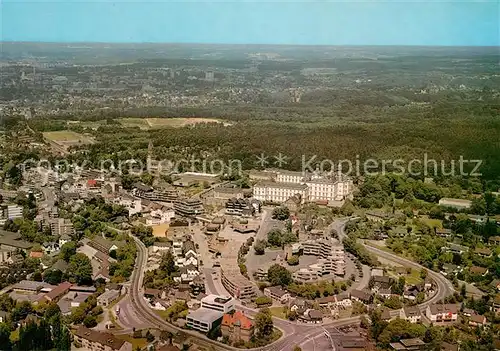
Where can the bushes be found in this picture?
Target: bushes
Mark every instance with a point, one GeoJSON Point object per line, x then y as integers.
{"type": "Point", "coordinates": [263, 300]}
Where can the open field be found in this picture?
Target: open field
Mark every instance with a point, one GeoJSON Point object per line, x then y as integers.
{"type": "Point", "coordinates": [65, 136]}
{"type": "Point", "coordinates": [160, 230]}
{"type": "Point", "coordinates": [154, 123]}
{"type": "Point", "coordinates": [277, 312]}
{"type": "Point", "coordinates": [136, 343]}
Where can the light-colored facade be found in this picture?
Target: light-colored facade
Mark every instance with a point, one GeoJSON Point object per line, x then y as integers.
{"type": "Point", "coordinates": [106, 298]}
{"type": "Point", "coordinates": [14, 211]}
{"type": "Point", "coordinates": [438, 313]}
{"type": "Point", "coordinates": [277, 294]}
{"type": "Point", "coordinates": [203, 319]}
{"type": "Point", "coordinates": [332, 256]}
{"type": "Point", "coordinates": [237, 285]}
{"type": "Point", "coordinates": [279, 192]}
{"type": "Point", "coordinates": [218, 303]}
{"type": "Point", "coordinates": [92, 340]}
{"type": "Point", "coordinates": [311, 187]}
{"type": "Point", "coordinates": [290, 177]}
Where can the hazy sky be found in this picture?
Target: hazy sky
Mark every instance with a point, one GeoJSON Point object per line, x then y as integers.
{"type": "Point", "coordinates": [372, 22]}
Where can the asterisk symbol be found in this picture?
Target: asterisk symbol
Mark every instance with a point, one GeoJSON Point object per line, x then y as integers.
{"type": "Point", "coordinates": [280, 160]}
{"type": "Point", "coordinates": [262, 160]}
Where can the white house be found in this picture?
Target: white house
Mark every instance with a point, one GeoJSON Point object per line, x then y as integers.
{"type": "Point", "coordinates": [437, 313]}
{"type": "Point", "coordinates": [276, 293]}
{"type": "Point", "coordinates": [411, 313]}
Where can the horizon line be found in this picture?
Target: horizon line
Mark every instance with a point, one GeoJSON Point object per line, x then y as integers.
{"type": "Point", "coordinates": [242, 44]}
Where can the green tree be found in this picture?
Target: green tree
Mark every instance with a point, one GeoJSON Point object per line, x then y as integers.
{"type": "Point", "coordinates": [264, 324]}
{"type": "Point", "coordinates": [80, 269]}
{"type": "Point", "coordinates": [281, 213]}
{"type": "Point", "coordinates": [5, 342]}
{"type": "Point", "coordinates": [293, 260]}
{"type": "Point", "coordinates": [68, 250]}
{"type": "Point", "coordinates": [167, 263]}
{"type": "Point", "coordinates": [259, 247]}
{"type": "Point", "coordinates": [279, 275]}
{"type": "Point", "coordinates": [275, 237]}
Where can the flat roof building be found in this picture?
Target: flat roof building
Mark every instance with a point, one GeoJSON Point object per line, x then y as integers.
{"type": "Point", "coordinates": [218, 303]}
{"type": "Point", "coordinates": [203, 319]}
{"type": "Point", "coordinates": [236, 284]}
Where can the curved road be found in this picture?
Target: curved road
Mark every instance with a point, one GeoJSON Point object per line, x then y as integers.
{"type": "Point", "coordinates": [295, 333]}
{"type": "Point", "coordinates": [444, 286]}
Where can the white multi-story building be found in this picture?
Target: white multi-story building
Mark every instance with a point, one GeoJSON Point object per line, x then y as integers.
{"type": "Point", "coordinates": [14, 211]}
{"type": "Point", "coordinates": [331, 253]}
{"type": "Point", "coordinates": [311, 187]}
{"type": "Point", "coordinates": [218, 303]}
{"type": "Point", "coordinates": [213, 308]}
{"type": "Point", "coordinates": [290, 177]}
{"type": "Point", "coordinates": [279, 192]}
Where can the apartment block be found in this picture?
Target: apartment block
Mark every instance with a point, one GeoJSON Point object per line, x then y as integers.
{"type": "Point", "coordinates": [237, 285]}
{"type": "Point", "coordinates": [92, 340]}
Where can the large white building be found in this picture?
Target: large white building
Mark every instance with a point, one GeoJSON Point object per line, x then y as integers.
{"type": "Point", "coordinates": [311, 187]}
{"type": "Point", "coordinates": [213, 308]}
{"type": "Point", "coordinates": [218, 303]}
{"type": "Point", "coordinates": [279, 192]}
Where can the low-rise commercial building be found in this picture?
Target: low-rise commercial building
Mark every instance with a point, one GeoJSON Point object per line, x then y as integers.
{"type": "Point", "coordinates": [203, 319]}
{"type": "Point", "coordinates": [223, 304]}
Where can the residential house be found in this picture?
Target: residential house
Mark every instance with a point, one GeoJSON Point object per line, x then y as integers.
{"type": "Point", "coordinates": [106, 298]}
{"type": "Point", "coordinates": [386, 315]}
{"type": "Point", "coordinates": [477, 320]}
{"type": "Point", "coordinates": [496, 304]}
{"type": "Point", "coordinates": [483, 252]}
{"type": "Point", "coordinates": [411, 313]}
{"type": "Point", "coordinates": [443, 232]}
{"type": "Point", "coordinates": [476, 270]}
{"type": "Point", "coordinates": [494, 240]}
{"type": "Point", "coordinates": [361, 296]}
{"type": "Point", "coordinates": [297, 305]}
{"type": "Point", "coordinates": [237, 327]}
{"type": "Point", "coordinates": [92, 340]}
{"type": "Point", "coordinates": [311, 316]}
{"type": "Point", "coordinates": [438, 313]}
{"type": "Point", "coordinates": [456, 248]}
{"type": "Point", "coordinates": [276, 293]}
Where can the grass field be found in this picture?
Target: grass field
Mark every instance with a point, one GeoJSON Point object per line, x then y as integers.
{"type": "Point", "coordinates": [153, 123]}
{"type": "Point", "coordinates": [136, 343]}
{"type": "Point", "coordinates": [277, 312]}
{"type": "Point", "coordinates": [64, 135]}
{"type": "Point", "coordinates": [433, 223]}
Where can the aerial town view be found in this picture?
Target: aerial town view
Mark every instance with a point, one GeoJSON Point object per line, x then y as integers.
{"type": "Point", "coordinates": [259, 184]}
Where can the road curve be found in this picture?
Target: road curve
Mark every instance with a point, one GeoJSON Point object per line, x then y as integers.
{"type": "Point", "coordinates": [444, 286]}
{"type": "Point", "coordinates": [286, 343]}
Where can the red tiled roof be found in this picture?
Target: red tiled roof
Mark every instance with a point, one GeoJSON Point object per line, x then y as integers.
{"type": "Point", "coordinates": [237, 317]}
{"type": "Point", "coordinates": [58, 291]}
{"type": "Point", "coordinates": [91, 182]}
{"type": "Point", "coordinates": [36, 254]}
